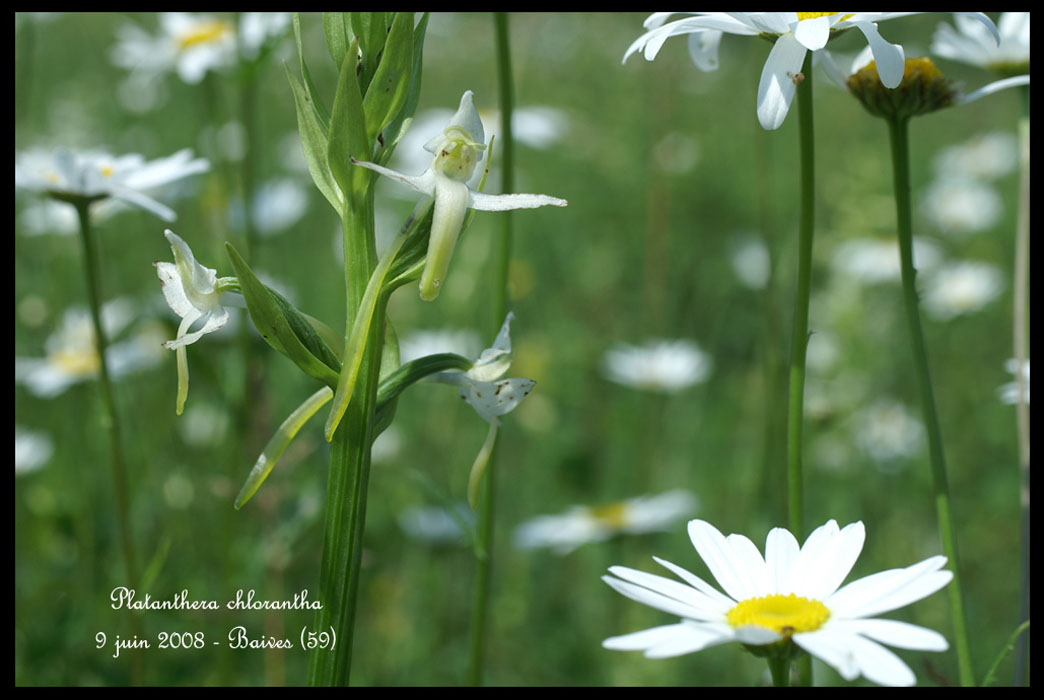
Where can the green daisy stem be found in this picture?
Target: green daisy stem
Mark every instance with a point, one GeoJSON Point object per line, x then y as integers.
{"type": "Point", "coordinates": [799, 337]}
{"type": "Point", "coordinates": [349, 463]}
{"type": "Point", "coordinates": [780, 670]}
{"type": "Point", "coordinates": [502, 258]}
{"type": "Point", "coordinates": [1021, 338]}
{"type": "Point", "coordinates": [898, 129]}
{"type": "Point", "coordinates": [119, 469]}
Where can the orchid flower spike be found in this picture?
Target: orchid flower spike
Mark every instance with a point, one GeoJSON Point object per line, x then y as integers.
{"type": "Point", "coordinates": [457, 151]}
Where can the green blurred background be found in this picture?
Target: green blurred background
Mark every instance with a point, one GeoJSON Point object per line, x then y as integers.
{"type": "Point", "coordinates": [666, 171]}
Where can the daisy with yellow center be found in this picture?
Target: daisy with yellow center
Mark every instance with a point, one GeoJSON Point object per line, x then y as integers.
{"type": "Point", "coordinates": [787, 602]}
{"type": "Point", "coordinates": [793, 35]}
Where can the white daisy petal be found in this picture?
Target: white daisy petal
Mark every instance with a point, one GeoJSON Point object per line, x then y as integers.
{"type": "Point", "coordinates": [716, 553]}
{"type": "Point", "coordinates": [776, 88]}
{"type": "Point", "coordinates": [652, 598]}
{"type": "Point", "coordinates": [888, 590]}
{"type": "Point", "coordinates": [814, 555]}
{"type": "Point", "coordinates": [890, 58]}
{"type": "Point", "coordinates": [750, 564]}
{"type": "Point", "coordinates": [835, 561]}
{"type": "Point", "coordinates": [781, 551]}
{"type": "Point", "coordinates": [895, 633]}
{"type": "Point", "coordinates": [879, 664]}
{"type": "Point", "coordinates": [723, 602]}
{"type": "Point", "coordinates": [689, 639]}
{"type": "Point", "coordinates": [705, 608]}
{"type": "Point", "coordinates": [833, 647]}
{"type": "Point", "coordinates": [813, 33]}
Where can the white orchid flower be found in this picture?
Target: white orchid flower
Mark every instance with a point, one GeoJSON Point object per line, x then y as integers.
{"type": "Point", "coordinates": [195, 293]}
{"type": "Point", "coordinates": [66, 174]}
{"type": "Point", "coordinates": [484, 390]}
{"type": "Point", "coordinates": [796, 33]}
{"type": "Point", "coordinates": [457, 152]}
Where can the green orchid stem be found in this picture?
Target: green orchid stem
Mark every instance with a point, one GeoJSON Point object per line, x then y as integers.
{"type": "Point", "coordinates": [799, 337]}
{"type": "Point", "coordinates": [1021, 337]}
{"type": "Point", "coordinates": [502, 253]}
{"type": "Point", "coordinates": [780, 670]}
{"type": "Point", "coordinates": [898, 130]}
{"type": "Point", "coordinates": [349, 459]}
{"type": "Point", "coordinates": [119, 469]}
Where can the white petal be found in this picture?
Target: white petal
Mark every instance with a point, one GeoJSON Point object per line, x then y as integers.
{"type": "Point", "coordinates": [669, 640]}
{"type": "Point", "coordinates": [756, 634]}
{"type": "Point", "coordinates": [703, 49]}
{"type": "Point", "coordinates": [814, 553]}
{"type": "Point", "coordinates": [751, 565]}
{"type": "Point", "coordinates": [888, 590]}
{"type": "Point", "coordinates": [813, 33]}
{"type": "Point", "coordinates": [652, 598]}
{"type": "Point", "coordinates": [776, 89]}
{"type": "Point", "coordinates": [491, 399]}
{"type": "Point", "coordinates": [781, 551]}
{"type": "Point", "coordinates": [723, 602]}
{"type": "Point", "coordinates": [705, 608]}
{"type": "Point", "coordinates": [890, 58]}
{"type": "Point", "coordinates": [504, 202]}
{"type": "Point", "coordinates": [147, 203]}
{"type": "Point", "coordinates": [425, 182]}
{"type": "Point", "coordinates": [173, 291]}
{"type": "Point", "coordinates": [833, 561]}
{"type": "Point", "coordinates": [879, 664]}
{"type": "Point", "coordinates": [215, 321]}
{"type": "Point", "coordinates": [895, 633]}
{"type": "Point", "coordinates": [718, 555]}
{"type": "Point", "coordinates": [831, 647]}
{"type": "Point", "coordinates": [993, 87]}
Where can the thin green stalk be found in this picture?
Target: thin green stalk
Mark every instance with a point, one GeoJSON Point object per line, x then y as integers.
{"type": "Point", "coordinates": [502, 256]}
{"type": "Point", "coordinates": [349, 462]}
{"type": "Point", "coordinates": [119, 469]}
{"type": "Point", "coordinates": [898, 129]}
{"type": "Point", "coordinates": [799, 337]}
{"type": "Point", "coordinates": [1021, 341]}
{"type": "Point", "coordinates": [780, 670]}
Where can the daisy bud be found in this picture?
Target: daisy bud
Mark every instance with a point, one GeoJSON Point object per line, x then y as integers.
{"type": "Point", "coordinates": [923, 89]}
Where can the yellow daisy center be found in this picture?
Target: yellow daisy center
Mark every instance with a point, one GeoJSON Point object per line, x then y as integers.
{"type": "Point", "coordinates": [783, 614]}
{"type": "Point", "coordinates": [106, 171]}
{"type": "Point", "coordinates": [613, 515]}
{"type": "Point", "coordinates": [77, 362]}
{"type": "Point", "coordinates": [203, 33]}
{"type": "Point", "coordinates": [813, 15]}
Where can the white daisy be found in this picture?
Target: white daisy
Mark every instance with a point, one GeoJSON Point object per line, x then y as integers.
{"type": "Point", "coordinates": [1009, 393]}
{"type": "Point", "coordinates": [983, 157]}
{"type": "Point", "coordinates": [32, 450]}
{"type": "Point", "coordinates": [65, 174]}
{"type": "Point", "coordinates": [794, 33]}
{"type": "Point", "coordinates": [195, 293]}
{"type": "Point", "coordinates": [960, 205]}
{"type": "Point", "coordinates": [582, 524]}
{"type": "Point", "coordinates": [457, 151]}
{"type": "Point", "coordinates": [872, 260]}
{"type": "Point", "coordinates": [751, 262]}
{"type": "Point", "coordinates": [971, 43]}
{"type": "Point", "coordinates": [185, 43]}
{"type": "Point", "coordinates": [72, 353]}
{"type": "Point", "coordinates": [792, 595]}
{"type": "Point", "coordinates": [887, 431]}
{"type": "Point", "coordinates": [658, 365]}
{"type": "Point", "coordinates": [962, 288]}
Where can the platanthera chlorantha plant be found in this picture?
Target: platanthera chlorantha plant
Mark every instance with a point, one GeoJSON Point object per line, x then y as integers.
{"type": "Point", "coordinates": [379, 60]}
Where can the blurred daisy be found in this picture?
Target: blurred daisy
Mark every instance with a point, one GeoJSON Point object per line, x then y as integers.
{"type": "Point", "coordinates": [421, 343]}
{"type": "Point", "coordinates": [751, 263]}
{"type": "Point", "coordinates": [32, 450]}
{"type": "Point", "coordinates": [972, 43]}
{"type": "Point", "coordinates": [962, 288]}
{"type": "Point", "coordinates": [457, 152]}
{"type": "Point", "coordinates": [961, 206]}
{"type": "Point", "coordinates": [659, 365]}
{"type": "Point", "coordinates": [188, 44]}
{"type": "Point", "coordinates": [77, 175]}
{"type": "Point", "coordinates": [887, 431]}
{"type": "Point", "coordinates": [72, 353]}
{"type": "Point", "coordinates": [278, 205]}
{"type": "Point", "coordinates": [795, 34]}
{"type": "Point", "coordinates": [437, 525]}
{"type": "Point", "coordinates": [985, 157]}
{"type": "Point", "coordinates": [1009, 393]}
{"type": "Point", "coordinates": [582, 524]}
{"type": "Point", "coordinates": [195, 293]}
{"type": "Point", "coordinates": [791, 596]}
{"type": "Point", "coordinates": [872, 260]}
